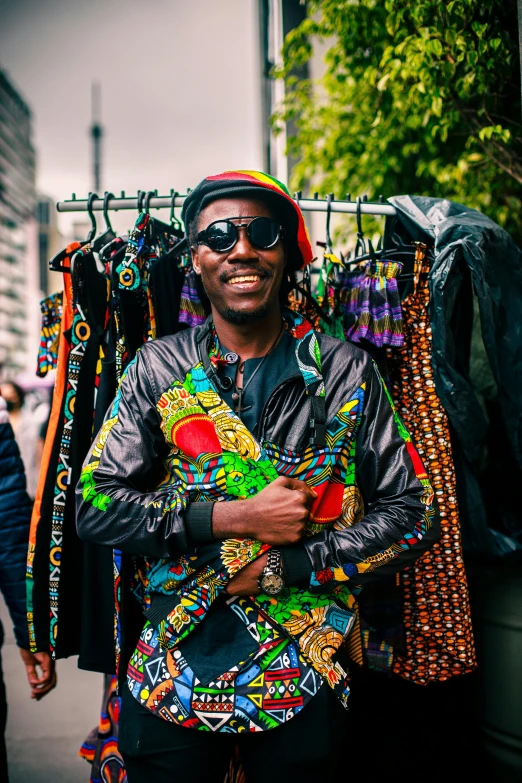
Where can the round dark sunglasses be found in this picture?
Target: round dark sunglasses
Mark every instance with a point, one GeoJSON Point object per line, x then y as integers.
{"type": "Point", "coordinates": [222, 235]}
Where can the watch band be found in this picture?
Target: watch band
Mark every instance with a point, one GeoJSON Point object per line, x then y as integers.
{"type": "Point", "coordinates": [271, 579]}
{"type": "Point", "coordinates": [274, 563]}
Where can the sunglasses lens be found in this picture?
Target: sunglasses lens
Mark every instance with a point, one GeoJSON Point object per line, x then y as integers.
{"type": "Point", "coordinates": [263, 232]}
{"type": "Point", "coordinates": [221, 236]}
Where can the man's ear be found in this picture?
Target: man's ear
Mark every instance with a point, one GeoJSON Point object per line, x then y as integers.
{"type": "Point", "coordinates": [195, 260]}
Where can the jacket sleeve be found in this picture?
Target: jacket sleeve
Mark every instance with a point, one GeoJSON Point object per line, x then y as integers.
{"type": "Point", "coordinates": [15, 516]}
{"type": "Point", "coordinates": [114, 502]}
{"type": "Point", "coordinates": [400, 521]}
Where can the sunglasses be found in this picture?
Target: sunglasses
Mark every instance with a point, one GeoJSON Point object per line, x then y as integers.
{"type": "Point", "coordinates": [221, 235]}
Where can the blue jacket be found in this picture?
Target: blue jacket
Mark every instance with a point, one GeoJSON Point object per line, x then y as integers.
{"type": "Point", "coordinates": [15, 517]}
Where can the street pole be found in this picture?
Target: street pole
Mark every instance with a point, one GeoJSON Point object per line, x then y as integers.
{"type": "Point", "coordinates": [279, 163]}
{"type": "Point", "coordinates": [96, 135]}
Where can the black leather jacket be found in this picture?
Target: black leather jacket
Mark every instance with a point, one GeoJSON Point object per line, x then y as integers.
{"type": "Point", "coordinates": [121, 505]}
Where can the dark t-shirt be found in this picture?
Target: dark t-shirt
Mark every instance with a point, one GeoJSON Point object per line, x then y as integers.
{"type": "Point", "coordinates": [222, 640]}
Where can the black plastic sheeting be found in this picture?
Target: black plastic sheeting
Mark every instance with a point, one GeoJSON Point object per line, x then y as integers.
{"type": "Point", "coordinates": [476, 319]}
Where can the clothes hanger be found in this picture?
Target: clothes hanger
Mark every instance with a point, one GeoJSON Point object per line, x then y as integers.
{"type": "Point", "coordinates": [108, 235]}
{"type": "Point", "coordinates": [56, 262]}
{"type": "Point", "coordinates": [81, 259]}
{"type": "Point", "coordinates": [141, 198]}
{"type": "Point", "coordinates": [332, 265]}
{"type": "Point", "coordinates": [172, 228]}
{"type": "Point", "coordinates": [174, 221]}
{"type": "Point", "coordinates": [360, 245]}
{"type": "Point", "coordinates": [176, 230]}
{"type": "Point", "coordinates": [115, 245]}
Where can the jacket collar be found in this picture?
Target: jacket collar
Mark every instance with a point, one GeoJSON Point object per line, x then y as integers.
{"type": "Point", "coordinates": [308, 357]}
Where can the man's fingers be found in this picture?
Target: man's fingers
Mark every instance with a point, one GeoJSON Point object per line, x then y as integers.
{"type": "Point", "coordinates": [39, 693]}
{"type": "Point", "coordinates": [46, 665]}
{"type": "Point", "coordinates": [32, 676]}
{"type": "Point", "coordinates": [299, 485]}
{"type": "Point", "coordinates": [40, 671]}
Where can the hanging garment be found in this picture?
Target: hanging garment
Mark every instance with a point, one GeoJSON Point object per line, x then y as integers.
{"type": "Point", "coordinates": [477, 361]}
{"type": "Point", "coordinates": [166, 283]}
{"type": "Point", "coordinates": [79, 335]}
{"type": "Point", "coordinates": [371, 295]}
{"type": "Point", "coordinates": [89, 314]}
{"type": "Point", "coordinates": [38, 608]}
{"type": "Point", "coordinates": [191, 309]}
{"type": "Point", "coordinates": [134, 289]}
{"type": "Point", "coordinates": [97, 650]}
{"type": "Point", "coordinates": [437, 621]}
{"type": "Point", "coordinates": [51, 308]}
{"type": "Point", "coordinates": [328, 296]}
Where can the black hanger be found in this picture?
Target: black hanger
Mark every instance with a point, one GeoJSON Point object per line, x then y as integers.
{"type": "Point", "coordinates": [146, 201]}
{"type": "Point", "coordinates": [90, 212]}
{"type": "Point", "coordinates": [329, 199]}
{"type": "Point", "coordinates": [56, 262]}
{"type": "Point", "coordinates": [174, 221]}
{"type": "Point", "coordinates": [108, 235]}
{"type": "Point", "coordinates": [360, 246]}
{"type": "Point", "coordinates": [141, 196]}
{"type": "Point", "coordinates": [306, 281]}
{"type": "Point", "coordinates": [173, 228]}
{"type": "Point", "coordinates": [114, 246]}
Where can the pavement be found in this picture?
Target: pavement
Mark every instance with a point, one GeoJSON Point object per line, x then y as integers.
{"type": "Point", "coordinates": [43, 738]}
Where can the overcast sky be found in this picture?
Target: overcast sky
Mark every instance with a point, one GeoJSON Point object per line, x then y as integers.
{"type": "Point", "coordinates": [181, 93]}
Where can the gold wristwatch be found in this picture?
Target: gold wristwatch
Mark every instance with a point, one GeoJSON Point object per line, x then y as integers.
{"type": "Point", "coordinates": [271, 580]}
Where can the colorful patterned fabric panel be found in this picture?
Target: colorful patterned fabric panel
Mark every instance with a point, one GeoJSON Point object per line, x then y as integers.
{"type": "Point", "coordinates": [373, 296]}
{"type": "Point", "coordinates": [191, 310]}
{"type": "Point", "coordinates": [51, 308]}
{"type": "Point", "coordinates": [80, 335]}
{"type": "Point", "coordinates": [268, 689]}
{"type": "Point", "coordinates": [437, 615]}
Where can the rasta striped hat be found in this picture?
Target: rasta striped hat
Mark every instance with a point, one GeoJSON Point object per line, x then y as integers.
{"type": "Point", "coordinates": [254, 183]}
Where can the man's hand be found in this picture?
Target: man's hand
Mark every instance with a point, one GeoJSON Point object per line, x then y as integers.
{"type": "Point", "coordinates": [245, 581]}
{"type": "Point", "coordinates": [276, 516]}
{"type": "Point", "coordinates": [41, 683]}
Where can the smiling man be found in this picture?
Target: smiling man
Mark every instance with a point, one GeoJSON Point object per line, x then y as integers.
{"type": "Point", "coordinates": [260, 476]}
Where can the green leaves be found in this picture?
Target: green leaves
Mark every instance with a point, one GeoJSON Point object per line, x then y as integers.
{"type": "Point", "coordinates": [479, 29]}
{"type": "Point", "coordinates": [417, 97]}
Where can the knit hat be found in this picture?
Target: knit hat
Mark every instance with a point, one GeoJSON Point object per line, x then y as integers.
{"type": "Point", "coordinates": [232, 183]}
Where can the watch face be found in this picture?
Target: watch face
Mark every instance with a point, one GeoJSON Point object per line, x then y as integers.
{"type": "Point", "coordinates": [271, 584]}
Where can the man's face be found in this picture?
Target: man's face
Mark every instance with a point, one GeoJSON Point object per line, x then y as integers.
{"type": "Point", "coordinates": [236, 299]}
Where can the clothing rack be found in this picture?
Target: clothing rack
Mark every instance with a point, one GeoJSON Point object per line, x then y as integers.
{"type": "Point", "coordinates": [150, 200]}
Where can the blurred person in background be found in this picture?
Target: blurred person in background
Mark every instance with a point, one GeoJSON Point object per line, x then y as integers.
{"type": "Point", "coordinates": [27, 421]}
{"type": "Point", "coordinates": [15, 516]}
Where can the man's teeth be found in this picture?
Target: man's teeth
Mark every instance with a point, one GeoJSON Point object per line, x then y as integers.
{"type": "Point", "coordinates": [245, 279]}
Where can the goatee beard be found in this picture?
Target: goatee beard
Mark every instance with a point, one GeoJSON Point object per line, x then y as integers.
{"type": "Point", "coordinates": [240, 318]}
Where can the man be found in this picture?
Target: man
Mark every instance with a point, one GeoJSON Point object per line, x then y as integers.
{"type": "Point", "coordinates": [15, 515]}
{"type": "Point", "coordinates": [261, 474]}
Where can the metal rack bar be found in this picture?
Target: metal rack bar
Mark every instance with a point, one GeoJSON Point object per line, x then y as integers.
{"type": "Point", "coordinates": [165, 202]}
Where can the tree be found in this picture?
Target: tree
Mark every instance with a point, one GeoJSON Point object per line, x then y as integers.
{"type": "Point", "coordinates": [418, 97]}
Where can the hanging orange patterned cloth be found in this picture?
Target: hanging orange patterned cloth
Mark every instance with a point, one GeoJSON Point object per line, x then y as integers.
{"type": "Point", "coordinates": [437, 620]}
